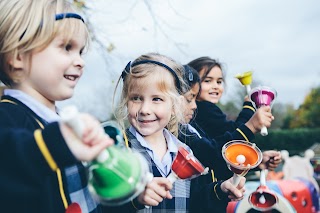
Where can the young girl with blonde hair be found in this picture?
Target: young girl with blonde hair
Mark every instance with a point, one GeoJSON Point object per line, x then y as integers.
{"type": "Point", "coordinates": [152, 101]}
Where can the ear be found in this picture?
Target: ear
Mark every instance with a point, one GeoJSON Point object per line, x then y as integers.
{"type": "Point", "coordinates": [16, 62]}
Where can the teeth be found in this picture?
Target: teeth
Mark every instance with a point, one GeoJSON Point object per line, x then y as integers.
{"type": "Point", "coordinates": [70, 77]}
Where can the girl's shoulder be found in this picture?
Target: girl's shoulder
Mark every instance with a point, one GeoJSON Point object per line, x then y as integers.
{"type": "Point", "coordinates": [206, 105]}
{"type": "Point", "coordinates": [11, 107]}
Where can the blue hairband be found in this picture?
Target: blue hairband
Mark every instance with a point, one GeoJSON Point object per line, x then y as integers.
{"type": "Point", "coordinates": [129, 65]}
{"type": "Point", "coordinates": [68, 15]}
{"type": "Point", "coordinates": [59, 17]}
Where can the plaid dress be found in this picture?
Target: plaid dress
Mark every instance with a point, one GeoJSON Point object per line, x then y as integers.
{"type": "Point", "coordinates": [180, 191]}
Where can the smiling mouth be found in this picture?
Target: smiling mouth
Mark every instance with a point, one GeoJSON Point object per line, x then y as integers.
{"type": "Point", "coordinates": [71, 77]}
{"type": "Point", "coordinates": [214, 93]}
{"type": "Point", "coordinates": [146, 121]}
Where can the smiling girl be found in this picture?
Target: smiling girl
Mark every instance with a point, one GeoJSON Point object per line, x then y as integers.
{"type": "Point", "coordinates": [152, 101]}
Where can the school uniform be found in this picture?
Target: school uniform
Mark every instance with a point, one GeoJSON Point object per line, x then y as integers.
{"type": "Point", "coordinates": [188, 195]}
{"type": "Point", "coordinates": [214, 122]}
{"type": "Point", "coordinates": [208, 151]}
{"type": "Point", "coordinates": [39, 172]}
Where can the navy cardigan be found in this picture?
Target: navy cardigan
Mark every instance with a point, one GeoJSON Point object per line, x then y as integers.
{"type": "Point", "coordinates": [29, 182]}
{"type": "Point", "coordinates": [214, 122]}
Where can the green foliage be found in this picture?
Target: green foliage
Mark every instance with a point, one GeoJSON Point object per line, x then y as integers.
{"type": "Point", "coordinates": [293, 140]}
{"type": "Point", "coordinates": [308, 114]}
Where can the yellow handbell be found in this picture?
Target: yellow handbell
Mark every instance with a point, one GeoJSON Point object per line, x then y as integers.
{"type": "Point", "coordinates": [245, 79]}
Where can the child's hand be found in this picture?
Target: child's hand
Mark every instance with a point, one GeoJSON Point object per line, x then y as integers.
{"type": "Point", "coordinates": [156, 191]}
{"type": "Point", "coordinates": [236, 193]}
{"type": "Point", "coordinates": [246, 98]}
{"type": "Point", "coordinates": [271, 159]}
{"type": "Point", "coordinates": [262, 117]}
{"type": "Point", "coordinates": [93, 140]}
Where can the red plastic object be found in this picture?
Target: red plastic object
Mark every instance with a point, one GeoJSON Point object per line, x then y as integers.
{"type": "Point", "coordinates": [185, 165]}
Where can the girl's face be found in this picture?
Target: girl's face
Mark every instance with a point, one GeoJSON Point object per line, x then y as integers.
{"type": "Point", "coordinates": [212, 85]}
{"type": "Point", "coordinates": [191, 105]}
{"type": "Point", "coordinates": [55, 70]}
{"type": "Point", "coordinates": [149, 110]}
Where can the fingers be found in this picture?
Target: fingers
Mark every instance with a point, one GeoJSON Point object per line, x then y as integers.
{"type": "Point", "coordinates": [156, 191]}
{"type": "Point", "coordinates": [90, 143]}
{"type": "Point", "coordinates": [93, 131]}
{"type": "Point", "coordinates": [234, 192]}
{"type": "Point", "coordinates": [271, 160]}
{"type": "Point", "coordinates": [164, 182]}
{"type": "Point", "coordinates": [93, 151]}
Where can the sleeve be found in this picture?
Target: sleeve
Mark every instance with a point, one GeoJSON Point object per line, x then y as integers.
{"type": "Point", "coordinates": [240, 133]}
{"type": "Point", "coordinates": [214, 122]}
{"type": "Point", "coordinates": [207, 196]}
{"type": "Point", "coordinates": [246, 113]}
{"type": "Point", "coordinates": [204, 149]}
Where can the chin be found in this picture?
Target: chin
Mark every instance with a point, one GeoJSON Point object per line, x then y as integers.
{"type": "Point", "coordinates": [66, 96]}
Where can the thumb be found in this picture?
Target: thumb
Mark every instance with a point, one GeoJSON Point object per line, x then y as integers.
{"type": "Point", "coordinates": [95, 150]}
{"type": "Point", "coordinates": [233, 190]}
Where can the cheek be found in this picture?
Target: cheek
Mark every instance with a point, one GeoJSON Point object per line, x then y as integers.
{"type": "Point", "coordinates": [132, 109]}
{"type": "Point", "coordinates": [204, 87]}
{"type": "Point", "coordinates": [188, 107]}
{"type": "Point", "coordinates": [222, 88]}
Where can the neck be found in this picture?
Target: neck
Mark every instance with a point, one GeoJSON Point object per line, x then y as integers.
{"type": "Point", "coordinates": [158, 143]}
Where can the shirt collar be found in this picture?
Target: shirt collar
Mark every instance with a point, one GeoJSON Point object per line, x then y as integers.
{"type": "Point", "coordinates": [41, 110]}
{"type": "Point", "coordinates": [172, 141]}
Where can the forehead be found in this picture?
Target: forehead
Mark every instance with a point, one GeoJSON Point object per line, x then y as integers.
{"type": "Point", "coordinates": [214, 72]}
{"type": "Point", "coordinates": [162, 80]}
{"type": "Point", "coordinates": [72, 28]}
{"type": "Point", "coordinates": [195, 88]}
{"type": "Point", "coordinates": [193, 91]}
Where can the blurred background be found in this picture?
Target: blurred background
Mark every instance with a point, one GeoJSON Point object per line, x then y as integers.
{"type": "Point", "coordinates": [277, 40]}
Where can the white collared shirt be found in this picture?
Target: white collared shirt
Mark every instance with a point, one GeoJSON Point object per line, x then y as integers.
{"type": "Point", "coordinates": [164, 166]}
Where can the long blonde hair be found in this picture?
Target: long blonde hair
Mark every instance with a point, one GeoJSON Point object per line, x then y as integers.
{"type": "Point", "coordinates": [28, 25]}
{"type": "Point", "coordinates": [137, 77]}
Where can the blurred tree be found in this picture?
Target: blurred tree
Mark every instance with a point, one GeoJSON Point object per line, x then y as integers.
{"type": "Point", "coordinates": [289, 115]}
{"type": "Point", "coordinates": [233, 106]}
{"type": "Point", "coordinates": [308, 114]}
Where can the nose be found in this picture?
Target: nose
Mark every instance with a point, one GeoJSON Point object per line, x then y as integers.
{"type": "Point", "coordinates": [193, 105]}
{"type": "Point", "coordinates": [144, 108]}
{"type": "Point", "coordinates": [214, 84]}
{"type": "Point", "coordinates": [79, 62]}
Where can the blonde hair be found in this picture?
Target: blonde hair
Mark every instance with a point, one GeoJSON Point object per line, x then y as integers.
{"type": "Point", "coordinates": [28, 25]}
{"type": "Point", "coordinates": [139, 77]}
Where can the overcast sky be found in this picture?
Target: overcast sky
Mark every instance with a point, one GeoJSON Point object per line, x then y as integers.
{"type": "Point", "coordinates": [278, 40]}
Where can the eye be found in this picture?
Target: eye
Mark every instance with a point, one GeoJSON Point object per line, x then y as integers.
{"type": "Point", "coordinates": [157, 99]}
{"type": "Point", "coordinates": [68, 47]}
{"type": "Point", "coordinates": [189, 101]}
{"type": "Point", "coordinates": [219, 81]}
{"type": "Point", "coordinates": [82, 51]}
{"type": "Point", "coordinates": [135, 98]}
{"type": "Point", "coordinates": [207, 80]}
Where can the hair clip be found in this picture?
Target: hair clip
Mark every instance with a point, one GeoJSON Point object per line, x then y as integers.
{"type": "Point", "coordinates": [126, 71]}
{"type": "Point", "coordinates": [190, 76]}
